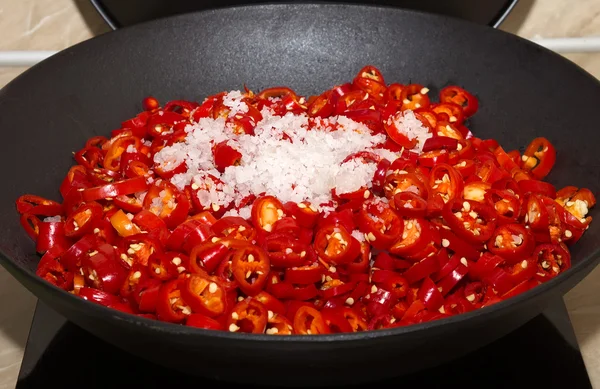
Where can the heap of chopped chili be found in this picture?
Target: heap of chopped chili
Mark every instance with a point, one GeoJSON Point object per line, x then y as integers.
{"type": "Point", "coordinates": [459, 227]}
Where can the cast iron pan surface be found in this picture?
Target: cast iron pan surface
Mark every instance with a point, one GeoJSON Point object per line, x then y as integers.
{"type": "Point", "coordinates": [524, 91]}
{"type": "Point", "coordinates": [119, 13]}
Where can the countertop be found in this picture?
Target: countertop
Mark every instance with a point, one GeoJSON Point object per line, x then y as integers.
{"type": "Point", "coordinates": [57, 24]}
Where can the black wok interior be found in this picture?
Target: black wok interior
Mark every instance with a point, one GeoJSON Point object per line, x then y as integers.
{"type": "Point", "coordinates": [88, 89]}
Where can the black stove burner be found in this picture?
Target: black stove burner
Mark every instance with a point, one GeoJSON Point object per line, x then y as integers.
{"type": "Point", "coordinates": [542, 353]}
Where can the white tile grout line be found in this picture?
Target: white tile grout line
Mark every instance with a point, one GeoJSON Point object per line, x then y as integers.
{"type": "Point", "coordinates": [560, 45]}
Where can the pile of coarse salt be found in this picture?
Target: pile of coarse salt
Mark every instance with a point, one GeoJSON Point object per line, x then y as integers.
{"type": "Point", "coordinates": [283, 158]}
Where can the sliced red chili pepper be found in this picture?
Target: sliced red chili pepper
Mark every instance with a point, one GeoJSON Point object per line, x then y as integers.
{"type": "Point", "coordinates": [51, 234]}
{"type": "Point", "coordinates": [83, 219]}
{"type": "Point", "coordinates": [71, 259]}
{"type": "Point", "coordinates": [166, 266]}
{"type": "Point", "coordinates": [102, 269]}
{"type": "Point", "coordinates": [380, 224]}
{"type": "Point", "coordinates": [285, 290]}
{"type": "Point", "coordinates": [459, 96]}
{"type": "Point", "coordinates": [303, 213]}
{"type": "Point", "coordinates": [335, 245]}
{"type": "Point", "coordinates": [472, 221]}
{"type": "Point", "coordinates": [248, 316]}
{"type": "Point", "coordinates": [167, 202]}
{"type": "Point", "coordinates": [146, 295]}
{"type": "Point", "coordinates": [250, 265]}
{"type": "Point", "coordinates": [415, 237]}
{"type": "Point", "coordinates": [423, 268]}
{"type": "Point", "coordinates": [539, 187]}
{"type": "Point", "coordinates": [309, 321]}
{"type": "Point", "coordinates": [429, 294]}
{"type": "Point", "coordinates": [391, 281]}
{"type": "Point", "coordinates": [140, 247]}
{"type": "Point", "coordinates": [234, 227]}
{"type": "Point", "coordinates": [453, 111]}
{"type": "Point", "coordinates": [344, 218]}
{"type": "Point", "coordinates": [414, 96]}
{"type": "Point", "coordinates": [266, 210]}
{"type": "Point", "coordinates": [124, 187]}
{"type": "Point", "coordinates": [50, 269]}
{"type": "Point", "coordinates": [124, 225]}
{"type": "Point", "coordinates": [403, 182]}
{"type": "Point", "coordinates": [409, 204]}
{"type": "Point", "coordinates": [207, 256]}
{"type": "Point", "coordinates": [512, 242]}
{"type": "Point", "coordinates": [27, 202]}
{"type": "Point", "coordinates": [439, 143]}
{"type": "Point", "coordinates": [304, 275]}
{"type": "Point", "coordinates": [271, 303]}
{"type": "Point", "coordinates": [335, 321]}
{"type": "Point", "coordinates": [523, 270]}
{"type": "Point", "coordinates": [285, 251]}
{"type": "Point", "coordinates": [539, 157]}
{"type": "Point", "coordinates": [432, 158]}
{"type": "Point", "coordinates": [170, 306]}
{"type": "Point", "coordinates": [98, 297]}
{"type": "Point", "coordinates": [379, 301]}
{"type": "Point", "coordinates": [204, 295]}
{"type": "Point", "coordinates": [552, 259]}
{"type": "Point", "coordinates": [446, 284]}
{"type": "Point", "coordinates": [224, 156]}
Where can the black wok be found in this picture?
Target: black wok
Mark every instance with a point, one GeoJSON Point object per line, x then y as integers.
{"type": "Point", "coordinates": [86, 90]}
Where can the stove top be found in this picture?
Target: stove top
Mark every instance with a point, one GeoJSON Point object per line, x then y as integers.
{"type": "Point", "coordinates": [542, 353]}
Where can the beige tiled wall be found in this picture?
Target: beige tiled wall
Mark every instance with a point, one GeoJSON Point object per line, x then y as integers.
{"type": "Point", "coordinates": [57, 24]}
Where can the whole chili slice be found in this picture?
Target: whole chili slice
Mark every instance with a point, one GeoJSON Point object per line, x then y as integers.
{"type": "Point", "coordinates": [309, 321]}
{"type": "Point", "coordinates": [26, 203]}
{"type": "Point", "coordinates": [248, 316]}
{"type": "Point", "coordinates": [167, 202]}
{"type": "Point", "coordinates": [512, 242]}
{"type": "Point", "coordinates": [250, 266]}
{"type": "Point", "coordinates": [165, 266]}
{"type": "Point", "coordinates": [266, 210]}
{"type": "Point", "coordinates": [278, 324]}
{"type": "Point", "coordinates": [335, 245]}
{"type": "Point", "coordinates": [539, 157]}
{"type": "Point", "coordinates": [473, 221]}
{"type": "Point", "coordinates": [83, 219]}
{"type": "Point", "coordinates": [415, 237]}
{"type": "Point", "coordinates": [380, 224]}
{"type": "Point", "coordinates": [552, 259]}
{"type": "Point", "coordinates": [460, 97]}
{"type": "Point", "coordinates": [170, 306]}
{"type": "Point", "coordinates": [204, 295]}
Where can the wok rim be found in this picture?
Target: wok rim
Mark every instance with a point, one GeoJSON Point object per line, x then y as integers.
{"type": "Point", "coordinates": [586, 264]}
